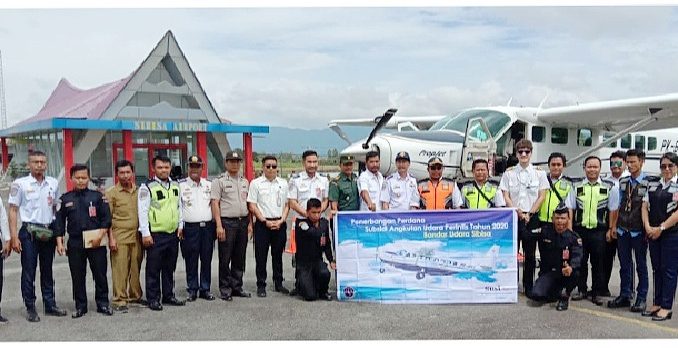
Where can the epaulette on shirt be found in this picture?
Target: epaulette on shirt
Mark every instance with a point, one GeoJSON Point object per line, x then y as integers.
{"type": "Point", "coordinates": [181, 180]}
{"type": "Point", "coordinates": [653, 178]}
{"type": "Point", "coordinates": [608, 181]}
{"type": "Point", "coordinates": [510, 168]}
{"type": "Point", "coordinates": [493, 181]}
{"type": "Point", "coordinates": [577, 179]}
{"type": "Point", "coordinates": [294, 176]}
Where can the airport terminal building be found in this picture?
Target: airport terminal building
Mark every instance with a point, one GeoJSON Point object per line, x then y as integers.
{"type": "Point", "coordinates": [160, 108]}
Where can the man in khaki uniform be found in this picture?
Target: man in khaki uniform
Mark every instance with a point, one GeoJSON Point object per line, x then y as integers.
{"type": "Point", "coordinates": [229, 209]}
{"type": "Point", "coordinates": [125, 245]}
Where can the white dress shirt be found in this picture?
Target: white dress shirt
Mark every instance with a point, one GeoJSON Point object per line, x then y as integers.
{"type": "Point", "coordinates": [372, 183]}
{"type": "Point", "coordinates": [523, 185]}
{"type": "Point", "coordinates": [195, 200]}
{"type": "Point", "coordinates": [270, 196]}
{"type": "Point", "coordinates": [400, 193]}
{"type": "Point", "coordinates": [36, 201]}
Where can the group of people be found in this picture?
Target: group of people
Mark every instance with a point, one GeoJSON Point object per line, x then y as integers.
{"type": "Point", "coordinates": [571, 221]}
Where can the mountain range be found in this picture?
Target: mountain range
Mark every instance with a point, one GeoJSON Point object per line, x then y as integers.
{"type": "Point", "coordinates": [295, 140]}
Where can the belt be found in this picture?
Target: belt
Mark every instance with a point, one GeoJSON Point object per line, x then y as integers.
{"type": "Point", "coordinates": [273, 219]}
{"type": "Point", "coordinates": [25, 224]}
{"type": "Point", "coordinates": [234, 218]}
{"type": "Point", "coordinates": [201, 223]}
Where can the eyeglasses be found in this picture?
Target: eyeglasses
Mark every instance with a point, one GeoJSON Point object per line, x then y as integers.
{"type": "Point", "coordinates": [667, 166]}
{"type": "Point", "coordinates": [524, 152]}
{"type": "Point", "coordinates": [271, 166]}
{"type": "Point", "coordinates": [436, 167]}
{"type": "Point", "coordinates": [616, 164]}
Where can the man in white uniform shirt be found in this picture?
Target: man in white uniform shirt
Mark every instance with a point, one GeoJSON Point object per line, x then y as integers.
{"type": "Point", "coordinates": [197, 237]}
{"type": "Point", "coordinates": [267, 201]}
{"type": "Point", "coordinates": [524, 188]}
{"type": "Point", "coordinates": [370, 183]}
{"type": "Point", "coordinates": [400, 191]}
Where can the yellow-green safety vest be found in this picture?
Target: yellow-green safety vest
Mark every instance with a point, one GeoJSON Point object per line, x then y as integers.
{"type": "Point", "coordinates": [563, 186]}
{"type": "Point", "coordinates": [163, 214]}
{"type": "Point", "coordinates": [474, 200]}
{"type": "Point", "coordinates": [592, 202]}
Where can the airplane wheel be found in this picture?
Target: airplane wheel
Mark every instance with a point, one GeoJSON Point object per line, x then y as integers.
{"type": "Point", "coordinates": [381, 270]}
{"type": "Point", "coordinates": [420, 275]}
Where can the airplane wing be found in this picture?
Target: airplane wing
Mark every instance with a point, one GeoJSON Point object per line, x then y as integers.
{"type": "Point", "coordinates": [422, 122]}
{"type": "Point", "coordinates": [647, 113]}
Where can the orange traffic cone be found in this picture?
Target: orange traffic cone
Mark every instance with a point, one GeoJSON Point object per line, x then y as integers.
{"type": "Point", "coordinates": [292, 246]}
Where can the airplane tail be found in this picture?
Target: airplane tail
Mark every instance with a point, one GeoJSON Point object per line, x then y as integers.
{"type": "Point", "coordinates": [492, 256]}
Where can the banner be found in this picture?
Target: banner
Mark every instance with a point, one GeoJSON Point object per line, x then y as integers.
{"type": "Point", "coordinates": [447, 256]}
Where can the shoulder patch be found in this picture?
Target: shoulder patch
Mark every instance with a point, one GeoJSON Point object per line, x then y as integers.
{"type": "Point", "coordinates": [579, 241]}
{"type": "Point", "coordinates": [144, 192]}
{"type": "Point", "coordinates": [14, 190]}
{"type": "Point", "coordinates": [303, 225]}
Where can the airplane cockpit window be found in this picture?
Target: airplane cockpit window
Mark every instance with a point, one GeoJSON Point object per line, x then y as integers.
{"type": "Point", "coordinates": [496, 121]}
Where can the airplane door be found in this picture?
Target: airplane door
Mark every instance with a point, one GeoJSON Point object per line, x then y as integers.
{"type": "Point", "coordinates": [478, 143]}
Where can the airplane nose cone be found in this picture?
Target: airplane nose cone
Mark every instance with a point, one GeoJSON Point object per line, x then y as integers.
{"type": "Point", "coordinates": [355, 150]}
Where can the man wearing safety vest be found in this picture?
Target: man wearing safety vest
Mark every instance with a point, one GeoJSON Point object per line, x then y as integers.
{"type": "Point", "coordinates": [593, 203]}
{"type": "Point", "coordinates": [437, 192]}
{"type": "Point", "coordinates": [559, 189]}
{"type": "Point", "coordinates": [481, 193]}
{"type": "Point", "coordinates": [159, 219]}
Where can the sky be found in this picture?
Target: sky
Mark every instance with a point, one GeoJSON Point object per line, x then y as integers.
{"type": "Point", "coordinates": [301, 67]}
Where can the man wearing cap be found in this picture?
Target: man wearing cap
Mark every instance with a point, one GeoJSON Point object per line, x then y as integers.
{"type": "Point", "coordinates": [437, 192]}
{"type": "Point", "coordinates": [229, 202]}
{"type": "Point", "coordinates": [344, 188]}
{"type": "Point", "coordinates": [370, 183]}
{"type": "Point", "coordinates": [400, 188]}
{"type": "Point", "coordinates": [197, 237]}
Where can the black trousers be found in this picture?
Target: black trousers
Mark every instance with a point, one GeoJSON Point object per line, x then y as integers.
{"type": "Point", "coordinates": [550, 285]}
{"type": "Point", "coordinates": [528, 236]}
{"type": "Point", "coordinates": [593, 245]}
{"type": "Point", "coordinates": [161, 261]}
{"type": "Point", "coordinates": [98, 264]}
{"type": "Point", "coordinates": [32, 252]}
{"type": "Point", "coordinates": [314, 279]}
{"type": "Point", "coordinates": [608, 263]}
{"type": "Point", "coordinates": [232, 255]}
{"type": "Point", "coordinates": [198, 245]}
{"type": "Point", "coordinates": [263, 239]}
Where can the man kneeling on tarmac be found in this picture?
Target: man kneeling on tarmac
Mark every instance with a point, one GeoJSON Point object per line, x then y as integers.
{"type": "Point", "coordinates": [313, 238]}
{"type": "Point", "coordinates": [560, 261]}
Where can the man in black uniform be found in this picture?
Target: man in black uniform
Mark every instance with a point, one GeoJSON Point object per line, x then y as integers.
{"type": "Point", "coordinates": [84, 210]}
{"type": "Point", "coordinates": [560, 261]}
{"type": "Point", "coordinates": [313, 238]}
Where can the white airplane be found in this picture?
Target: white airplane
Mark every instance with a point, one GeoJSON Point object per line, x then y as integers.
{"type": "Point", "coordinates": [577, 131]}
{"type": "Point", "coordinates": [424, 264]}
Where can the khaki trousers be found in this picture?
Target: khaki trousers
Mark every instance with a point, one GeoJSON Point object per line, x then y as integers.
{"type": "Point", "coordinates": [125, 266]}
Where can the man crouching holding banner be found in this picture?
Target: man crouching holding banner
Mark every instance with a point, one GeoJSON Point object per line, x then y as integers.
{"type": "Point", "coordinates": [313, 238]}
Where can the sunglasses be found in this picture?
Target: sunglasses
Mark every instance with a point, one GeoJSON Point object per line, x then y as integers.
{"type": "Point", "coordinates": [616, 164]}
{"type": "Point", "coordinates": [436, 167]}
{"type": "Point", "coordinates": [271, 166]}
{"type": "Point", "coordinates": [667, 166]}
{"type": "Point", "coordinates": [524, 152]}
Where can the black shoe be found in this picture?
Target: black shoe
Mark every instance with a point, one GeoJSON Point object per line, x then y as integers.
{"type": "Point", "coordinates": [32, 315]}
{"type": "Point", "coordinates": [155, 306]}
{"type": "Point", "coordinates": [327, 296]}
{"type": "Point", "coordinates": [174, 302]}
{"type": "Point", "coordinates": [3, 319]}
{"type": "Point", "coordinates": [294, 292]}
{"type": "Point", "coordinates": [78, 313]}
{"type": "Point", "coordinates": [207, 296]}
{"type": "Point", "coordinates": [668, 316]}
{"type": "Point", "coordinates": [55, 312]}
{"type": "Point", "coordinates": [619, 302]}
{"type": "Point", "coordinates": [579, 295]}
{"type": "Point", "coordinates": [227, 297]}
{"type": "Point", "coordinates": [105, 310]}
{"type": "Point", "coordinates": [121, 309]}
{"type": "Point", "coordinates": [192, 297]}
{"type": "Point", "coordinates": [597, 300]}
{"type": "Point", "coordinates": [648, 313]}
{"type": "Point", "coordinates": [563, 304]}
{"type": "Point", "coordinates": [242, 293]}
{"type": "Point", "coordinates": [639, 306]}
{"type": "Point", "coordinates": [261, 292]}
{"type": "Point", "coordinates": [281, 289]}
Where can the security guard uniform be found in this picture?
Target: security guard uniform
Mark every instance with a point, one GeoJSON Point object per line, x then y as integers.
{"type": "Point", "coordinates": [592, 202]}
{"type": "Point", "coordinates": [4, 238]}
{"type": "Point", "coordinates": [631, 239]}
{"type": "Point", "coordinates": [199, 234]}
{"type": "Point", "coordinates": [231, 192]}
{"type": "Point", "coordinates": [483, 196]}
{"type": "Point", "coordinates": [36, 202]}
{"type": "Point", "coordinates": [160, 215]}
{"type": "Point", "coordinates": [662, 198]}
{"type": "Point", "coordinates": [442, 194]}
{"type": "Point", "coordinates": [312, 241]}
{"type": "Point", "coordinates": [557, 250]}
{"type": "Point", "coordinates": [400, 193]}
{"type": "Point", "coordinates": [85, 210]}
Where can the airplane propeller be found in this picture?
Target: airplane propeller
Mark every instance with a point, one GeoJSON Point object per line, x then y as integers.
{"type": "Point", "coordinates": [381, 122]}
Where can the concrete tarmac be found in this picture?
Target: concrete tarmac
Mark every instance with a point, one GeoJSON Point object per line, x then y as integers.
{"type": "Point", "coordinates": [281, 317]}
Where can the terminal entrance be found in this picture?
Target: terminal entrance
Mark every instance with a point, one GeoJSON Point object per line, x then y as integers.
{"type": "Point", "coordinates": [144, 154]}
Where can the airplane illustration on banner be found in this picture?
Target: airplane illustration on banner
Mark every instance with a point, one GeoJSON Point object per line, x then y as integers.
{"type": "Point", "coordinates": [426, 263]}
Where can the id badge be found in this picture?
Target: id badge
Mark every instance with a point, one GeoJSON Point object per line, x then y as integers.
{"type": "Point", "coordinates": [566, 254]}
{"type": "Point", "coordinates": [92, 210]}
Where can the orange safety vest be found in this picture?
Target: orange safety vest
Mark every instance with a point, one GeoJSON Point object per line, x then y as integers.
{"type": "Point", "coordinates": [436, 197]}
